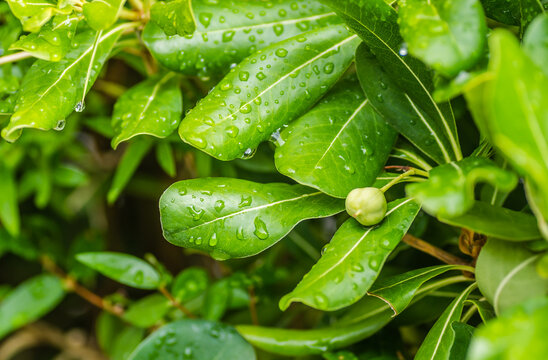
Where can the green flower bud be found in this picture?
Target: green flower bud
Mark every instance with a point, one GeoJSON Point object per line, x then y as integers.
{"type": "Point", "coordinates": [367, 205]}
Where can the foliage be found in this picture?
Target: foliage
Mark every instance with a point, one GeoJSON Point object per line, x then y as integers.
{"type": "Point", "coordinates": [248, 179]}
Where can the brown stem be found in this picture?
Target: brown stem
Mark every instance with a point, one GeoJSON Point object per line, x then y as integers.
{"type": "Point", "coordinates": [176, 303]}
{"type": "Point", "coordinates": [435, 251]}
{"type": "Point", "coordinates": [79, 290]}
{"type": "Point", "coordinates": [402, 168]}
{"type": "Point", "coordinates": [252, 307]}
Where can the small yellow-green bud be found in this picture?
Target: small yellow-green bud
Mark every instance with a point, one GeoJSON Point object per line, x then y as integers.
{"type": "Point", "coordinates": [367, 205]}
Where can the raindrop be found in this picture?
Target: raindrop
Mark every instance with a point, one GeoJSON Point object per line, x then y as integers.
{"type": "Point", "coordinates": [80, 106]}
{"type": "Point", "coordinates": [328, 68]}
{"type": "Point", "coordinates": [260, 75]}
{"type": "Point", "coordinates": [232, 131]}
{"type": "Point", "coordinates": [245, 201]}
{"type": "Point", "coordinates": [260, 229]}
{"type": "Point", "coordinates": [219, 205]}
{"type": "Point", "coordinates": [281, 52]}
{"type": "Point", "coordinates": [240, 233]}
{"type": "Point", "coordinates": [320, 300]}
{"type": "Point", "coordinates": [278, 29]}
{"type": "Point", "coordinates": [244, 75]}
{"type": "Point", "coordinates": [403, 49]}
{"type": "Point", "coordinates": [205, 19]}
{"type": "Point", "coordinates": [248, 153]}
{"type": "Point", "coordinates": [213, 240]}
{"type": "Point", "coordinates": [60, 125]}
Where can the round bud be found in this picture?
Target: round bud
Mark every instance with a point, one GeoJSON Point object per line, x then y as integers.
{"type": "Point", "coordinates": [367, 205]}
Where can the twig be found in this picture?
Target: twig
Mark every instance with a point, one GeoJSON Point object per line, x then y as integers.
{"type": "Point", "coordinates": [176, 303]}
{"type": "Point", "coordinates": [435, 251]}
{"type": "Point", "coordinates": [14, 57]}
{"type": "Point", "coordinates": [252, 307]}
{"type": "Point", "coordinates": [79, 290]}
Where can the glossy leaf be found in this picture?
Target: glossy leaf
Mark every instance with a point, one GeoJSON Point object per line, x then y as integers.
{"type": "Point", "coordinates": [134, 154]}
{"type": "Point", "coordinates": [199, 339]}
{"type": "Point", "coordinates": [515, 88]}
{"type": "Point", "coordinates": [9, 206]}
{"type": "Point", "coordinates": [495, 221]}
{"type": "Point", "coordinates": [502, 11]}
{"type": "Point", "coordinates": [147, 311]}
{"type": "Point", "coordinates": [239, 28]}
{"type": "Point", "coordinates": [153, 107]}
{"type": "Point", "coordinates": [517, 334]}
{"type": "Point", "coordinates": [189, 284]}
{"type": "Point", "coordinates": [507, 276]}
{"type": "Point", "coordinates": [53, 40]}
{"type": "Point", "coordinates": [126, 269]}
{"type": "Point", "coordinates": [165, 158]}
{"type": "Point", "coordinates": [236, 218]}
{"type": "Point", "coordinates": [342, 135]}
{"type": "Point", "coordinates": [266, 91]}
{"type": "Point", "coordinates": [407, 152]}
{"type": "Point", "coordinates": [291, 342]}
{"type": "Point", "coordinates": [440, 338]}
{"type": "Point", "coordinates": [529, 9]}
{"type": "Point", "coordinates": [534, 42]}
{"type": "Point", "coordinates": [216, 300]}
{"type": "Point", "coordinates": [33, 13]}
{"type": "Point", "coordinates": [463, 334]}
{"type": "Point", "coordinates": [449, 190]}
{"type": "Point", "coordinates": [398, 290]}
{"type": "Point", "coordinates": [485, 310]}
{"type": "Point", "coordinates": [398, 86]}
{"type": "Point", "coordinates": [101, 14]}
{"type": "Point", "coordinates": [352, 260]}
{"type": "Point", "coordinates": [173, 17]}
{"type": "Point", "coordinates": [29, 301]}
{"type": "Point", "coordinates": [44, 104]}
{"type": "Point", "coordinates": [436, 33]}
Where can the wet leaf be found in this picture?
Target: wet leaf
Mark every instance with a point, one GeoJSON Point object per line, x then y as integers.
{"type": "Point", "coordinates": [195, 339]}
{"type": "Point", "coordinates": [126, 269]}
{"type": "Point", "coordinates": [342, 134]}
{"type": "Point", "coordinates": [352, 260]}
{"type": "Point", "coordinates": [238, 28]}
{"type": "Point", "coordinates": [101, 14]}
{"type": "Point", "coordinates": [35, 13]}
{"type": "Point", "coordinates": [266, 91]}
{"type": "Point", "coordinates": [173, 17]}
{"type": "Point", "coordinates": [237, 218]}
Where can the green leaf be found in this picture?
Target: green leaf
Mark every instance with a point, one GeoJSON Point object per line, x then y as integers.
{"type": "Point", "coordinates": [529, 9]}
{"type": "Point", "coordinates": [125, 342]}
{"type": "Point", "coordinates": [53, 40]}
{"type": "Point", "coordinates": [352, 260]}
{"type": "Point", "coordinates": [134, 154]}
{"type": "Point", "coordinates": [228, 31]}
{"type": "Point", "coordinates": [29, 301]}
{"type": "Point", "coordinates": [189, 284]}
{"type": "Point", "coordinates": [519, 333]}
{"type": "Point", "coordinates": [152, 107]}
{"type": "Point", "coordinates": [449, 190]}
{"type": "Point", "coordinates": [463, 334]}
{"type": "Point", "coordinates": [199, 339]}
{"type": "Point", "coordinates": [534, 42]}
{"type": "Point", "coordinates": [495, 221]}
{"type": "Point", "coordinates": [34, 13]}
{"type": "Point", "coordinates": [349, 139]}
{"type": "Point", "coordinates": [436, 33]}
{"type": "Point", "coordinates": [506, 274]}
{"type": "Point", "coordinates": [399, 86]}
{"type": "Point", "coordinates": [237, 218]}
{"type": "Point", "coordinates": [173, 17]}
{"type": "Point", "coordinates": [102, 14]}
{"type": "Point", "coordinates": [515, 88]}
{"type": "Point", "coordinates": [506, 12]}
{"type": "Point", "coordinates": [440, 338]}
{"type": "Point", "coordinates": [147, 311]}
{"type": "Point", "coordinates": [126, 269]}
{"type": "Point", "coordinates": [266, 91]}
{"type": "Point", "coordinates": [398, 290]}
{"type": "Point", "coordinates": [165, 158]}
{"type": "Point", "coordinates": [291, 342]}
{"type": "Point", "coordinates": [403, 150]}
{"type": "Point", "coordinates": [216, 301]}
{"type": "Point", "coordinates": [9, 206]}
{"type": "Point", "coordinates": [485, 310]}
{"type": "Point", "coordinates": [45, 104]}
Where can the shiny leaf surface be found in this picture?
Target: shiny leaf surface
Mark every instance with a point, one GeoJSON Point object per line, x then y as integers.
{"type": "Point", "coordinates": [101, 14]}
{"type": "Point", "coordinates": [173, 17]}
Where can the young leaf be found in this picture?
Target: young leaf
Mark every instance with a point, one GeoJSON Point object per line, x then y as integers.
{"type": "Point", "coordinates": [534, 42]}
{"type": "Point", "coordinates": [29, 301]}
{"type": "Point", "coordinates": [190, 283]}
{"type": "Point", "coordinates": [129, 163]}
{"type": "Point", "coordinates": [239, 29]}
{"type": "Point", "coordinates": [352, 260]}
{"type": "Point", "coordinates": [517, 334]}
{"type": "Point", "coordinates": [126, 269]}
{"type": "Point", "coordinates": [153, 107]}
{"type": "Point", "coordinates": [349, 138]}
{"type": "Point", "coordinates": [440, 338]}
{"type": "Point", "coordinates": [147, 311]}
{"type": "Point", "coordinates": [495, 221]}
{"type": "Point", "coordinates": [101, 14]}
{"type": "Point", "coordinates": [165, 158]}
{"type": "Point", "coordinates": [216, 300]}
{"type": "Point", "coordinates": [9, 206]}
{"type": "Point", "coordinates": [53, 40]}
{"type": "Point", "coordinates": [403, 150]}
{"type": "Point", "coordinates": [266, 91]}
{"type": "Point", "coordinates": [44, 104]}
{"type": "Point", "coordinates": [449, 191]}
{"type": "Point", "coordinates": [436, 33]}
{"type": "Point", "coordinates": [291, 342]}
{"type": "Point", "coordinates": [173, 17]}
{"type": "Point", "coordinates": [506, 274]}
{"type": "Point", "coordinates": [398, 290]}
{"type": "Point", "coordinates": [398, 84]}
{"type": "Point", "coordinates": [515, 88]}
{"type": "Point", "coordinates": [230, 218]}
{"type": "Point", "coordinates": [199, 339]}
{"type": "Point", "coordinates": [34, 13]}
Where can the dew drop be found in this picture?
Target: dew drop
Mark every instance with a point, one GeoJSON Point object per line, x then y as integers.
{"type": "Point", "coordinates": [213, 240]}
{"type": "Point", "coordinates": [232, 131]}
{"type": "Point", "coordinates": [281, 52]}
{"type": "Point", "coordinates": [219, 205]}
{"type": "Point", "coordinates": [60, 125]}
{"type": "Point", "coordinates": [248, 153]}
{"type": "Point", "coordinates": [328, 68]}
{"type": "Point", "coordinates": [260, 75]}
{"type": "Point", "coordinates": [243, 75]}
{"type": "Point", "coordinates": [80, 106]}
{"type": "Point", "coordinates": [260, 229]}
